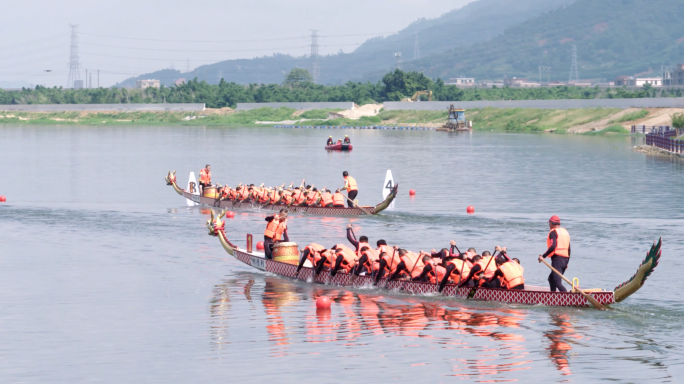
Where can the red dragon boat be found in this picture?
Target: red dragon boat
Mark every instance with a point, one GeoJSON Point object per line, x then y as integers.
{"type": "Point", "coordinates": [531, 295]}
{"type": "Point", "coordinates": [325, 211]}
{"type": "Point", "coordinates": [339, 147]}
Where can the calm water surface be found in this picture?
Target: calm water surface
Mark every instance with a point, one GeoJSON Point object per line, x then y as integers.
{"type": "Point", "coordinates": [106, 275]}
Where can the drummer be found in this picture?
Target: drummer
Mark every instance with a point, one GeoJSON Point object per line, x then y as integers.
{"type": "Point", "coordinates": [276, 231]}
{"type": "Point", "coordinates": [205, 178]}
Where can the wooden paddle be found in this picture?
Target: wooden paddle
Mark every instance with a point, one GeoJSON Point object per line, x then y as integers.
{"type": "Point", "coordinates": [357, 206]}
{"type": "Point", "coordinates": [589, 298]}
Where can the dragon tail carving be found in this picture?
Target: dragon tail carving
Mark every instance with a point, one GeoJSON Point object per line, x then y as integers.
{"type": "Point", "coordinates": [647, 266]}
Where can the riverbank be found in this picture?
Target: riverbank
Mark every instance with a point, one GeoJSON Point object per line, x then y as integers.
{"type": "Point", "coordinates": [595, 121]}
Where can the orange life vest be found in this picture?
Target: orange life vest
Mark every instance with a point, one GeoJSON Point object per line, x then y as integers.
{"type": "Point", "coordinates": [338, 199]}
{"type": "Point", "coordinates": [263, 196]}
{"type": "Point", "coordinates": [491, 269]}
{"type": "Point", "coordinates": [348, 259]}
{"type": "Point", "coordinates": [463, 268]}
{"type": "Point", "coordinates": [287, 197]}
{"type": "Point", "coordinates": [282, 226]}
{"type": "Point", "coordinates": [392, 259]}
{"type": "Point", "coordinates": [414, 264]}
{"type": "Point", "coordinates": [312, 198]}
{"type": "Point", "coordinates": [272, 227]}
{"type": "Point", "coordinates": [350, 184]}
{"type": "Point", "coordinates": [314, 252]}
{"type": "Point", "coordinates": [512, 274]}
{"type": "Point", "coordinates": [361, 245]}
{"type": "Point", "coordinates": [299, 196]}
{"type": "Point", "coordinates": [205, 176]}
{"type": "Point", "coordinates": [326, 198]}
{"type": "Point", "coordinates": [273, 196]}
{"type": "Point", "coordinates": [244, 191]}
{"type": "Point", "coordinates": [441, 271]}
{"type": "Point", "coordinates": [562, 242]}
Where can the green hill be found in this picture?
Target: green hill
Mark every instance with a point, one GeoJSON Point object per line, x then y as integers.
{"type": "Point", "coordinates": [476, 22]}
{"type": "Point", "coordinates": [613, 37]}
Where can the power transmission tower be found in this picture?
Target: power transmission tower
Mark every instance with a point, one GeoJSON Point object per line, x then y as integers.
{"type": "Point", "coordinates": [74, 66]}
{"type": "Point", "coordinates": [574, 73]}
{"type": "Point", "coordinates": [315, 70]}
{"type": "Point", "coordinates": [397, 58]}
{"type": "Point", "coordinates": [416, 48]}
{"type": "Point", "coordinates": [545, 69]}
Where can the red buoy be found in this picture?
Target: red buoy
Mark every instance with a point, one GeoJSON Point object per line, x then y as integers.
{"type": "Point", "coordinates": [3, 199]}
{"type": "Point", "coordinates": [412, 192]}
{"type": "Point", "coordinates": [323, 302]}
{"type": "Point", "coordinates": [230, 214]}
{"type": "Point", "coordinates": [260, 246]}
{"type": "Point", "coordinates": [470, 209]}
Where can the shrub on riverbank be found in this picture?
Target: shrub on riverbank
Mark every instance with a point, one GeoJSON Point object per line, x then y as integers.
{"type": "Point", "coordinates": [616, 129]}
{"type": "Point", "coordinates": [630, 116]}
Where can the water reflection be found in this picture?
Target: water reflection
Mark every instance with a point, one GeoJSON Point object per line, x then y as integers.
{"type": "Point", "coordinates": [358, 319]}
{"type": "Point", "coordinates": [560, 346]}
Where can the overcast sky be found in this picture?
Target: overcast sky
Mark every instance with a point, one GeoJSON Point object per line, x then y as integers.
{"type": "Point", "coordinates": [125, 38]}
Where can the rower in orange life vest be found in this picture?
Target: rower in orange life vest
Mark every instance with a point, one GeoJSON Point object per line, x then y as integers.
{"type": "Point", "coordinates": [508, 273]}
{"type": "Point", "coordinates": [276, 231]}
{"type": "Point", "coordinates": [347, 140]}
{"type": "Point", "coordinates": [338, 199]}
{"type": "Point", "coordinates": [558, 244]}
{"type": "Point", "coordinates": [330, 141]}
{"type": "Point", "coordinates": [483, 270]}
{"type": "Point", "coordinates": [350, 187]}
{"type": "Point", "coordinates": [326, 199]}
{"type": "Point", "coordinates": [205, 178]}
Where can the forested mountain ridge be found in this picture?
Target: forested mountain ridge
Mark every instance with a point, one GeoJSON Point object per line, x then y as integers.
{"type": "Point", "coordinates": [478, 21]}
{"type": "Point", "coordinates": [613, 37]}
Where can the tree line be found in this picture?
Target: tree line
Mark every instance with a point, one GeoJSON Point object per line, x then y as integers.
{"type": "Point", "coordinates": [298, 87]}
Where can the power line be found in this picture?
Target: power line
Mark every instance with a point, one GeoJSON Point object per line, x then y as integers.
{"type": "Point", "coordinates": [186, 50]}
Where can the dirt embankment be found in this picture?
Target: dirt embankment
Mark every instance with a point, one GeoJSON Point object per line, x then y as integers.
{"type": "Point", "coordinates": [655, 117]}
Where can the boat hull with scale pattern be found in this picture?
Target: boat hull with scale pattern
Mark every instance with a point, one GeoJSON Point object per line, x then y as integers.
{"type": "Point", "coordinates": [530, 295]}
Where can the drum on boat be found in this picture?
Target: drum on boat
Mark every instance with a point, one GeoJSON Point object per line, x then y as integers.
{"type": "Point", "coordinates": [211, 192]}
{"type": "Point", "coordinates": [286, 253]}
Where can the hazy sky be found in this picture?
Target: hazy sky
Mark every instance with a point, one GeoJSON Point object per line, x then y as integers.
{"type": "Point", "coordinates": [126, 38]}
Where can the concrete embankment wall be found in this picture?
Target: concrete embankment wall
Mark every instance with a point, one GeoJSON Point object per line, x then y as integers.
{"type": "Point", "coordinates": [297, 106]}
{"type": "Point", "coordinates": [104, 107]}
{"type": "Point", "coordinates": [663, 102]}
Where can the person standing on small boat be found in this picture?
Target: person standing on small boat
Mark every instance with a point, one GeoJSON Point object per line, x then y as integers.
{"type": "Point", "coordinates": [276, 231]}
{"type": "Point", "coordinates": [351, 188]}
{"type": "Point", "coordinates": [347, 140]}
{"type": "Point", "coordinates": [558, 243]}
{"type": "Point", "coordinates": [330, 141]}
{"type": "Point", "coordinates": [205, 178]}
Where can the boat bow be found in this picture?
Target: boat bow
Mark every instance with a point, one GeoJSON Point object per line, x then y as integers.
{"type": "Point", "coordinates": [388, 200]}
{"type": "Point", "coordinates": [171, 180]}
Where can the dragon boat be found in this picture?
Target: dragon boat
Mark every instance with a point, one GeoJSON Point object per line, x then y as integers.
{"type": "Point", "coordinates": [193, 196]}
{"type": "Point", "coordinates": [530, 295]}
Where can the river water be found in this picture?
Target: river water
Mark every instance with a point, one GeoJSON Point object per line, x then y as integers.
{"type": "Point", "coordinates": [107, 276]}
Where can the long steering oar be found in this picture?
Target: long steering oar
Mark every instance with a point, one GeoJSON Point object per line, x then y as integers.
{"type": "Point", "coordinates": [357, 206]}
{"type": "Point", "coordinates": [589, 298]}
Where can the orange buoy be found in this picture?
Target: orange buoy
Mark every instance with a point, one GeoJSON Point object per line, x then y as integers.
{"type": "Point", "coordinates": [470, 209]}
{"type": "Point", "coordinates": [412, 192]}
{"type": "Point", "coordinates": [3, 199]}
{"type": "Point", "coordinates": [230, 214]}
{"type": "Point", "coordinates": [323, 302]}
{"type": "Point", "coordinates": [260, 246]}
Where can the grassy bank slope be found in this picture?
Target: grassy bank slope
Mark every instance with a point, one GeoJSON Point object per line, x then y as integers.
{"type": "Point", "coordinates": [503, 120]}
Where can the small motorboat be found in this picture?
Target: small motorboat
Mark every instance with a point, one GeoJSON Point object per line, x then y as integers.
{"type": "Point", "coordinates": [339, 147]}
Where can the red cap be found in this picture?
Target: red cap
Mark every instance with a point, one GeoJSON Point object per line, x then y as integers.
{"type": "Point", "coordinates": [554, 219]}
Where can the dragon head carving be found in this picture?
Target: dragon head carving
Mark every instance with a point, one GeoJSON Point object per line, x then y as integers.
{"type": "Point", "coordinates": [215, 224]}
{"type": "Point", "coordinates": [171, 178]}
